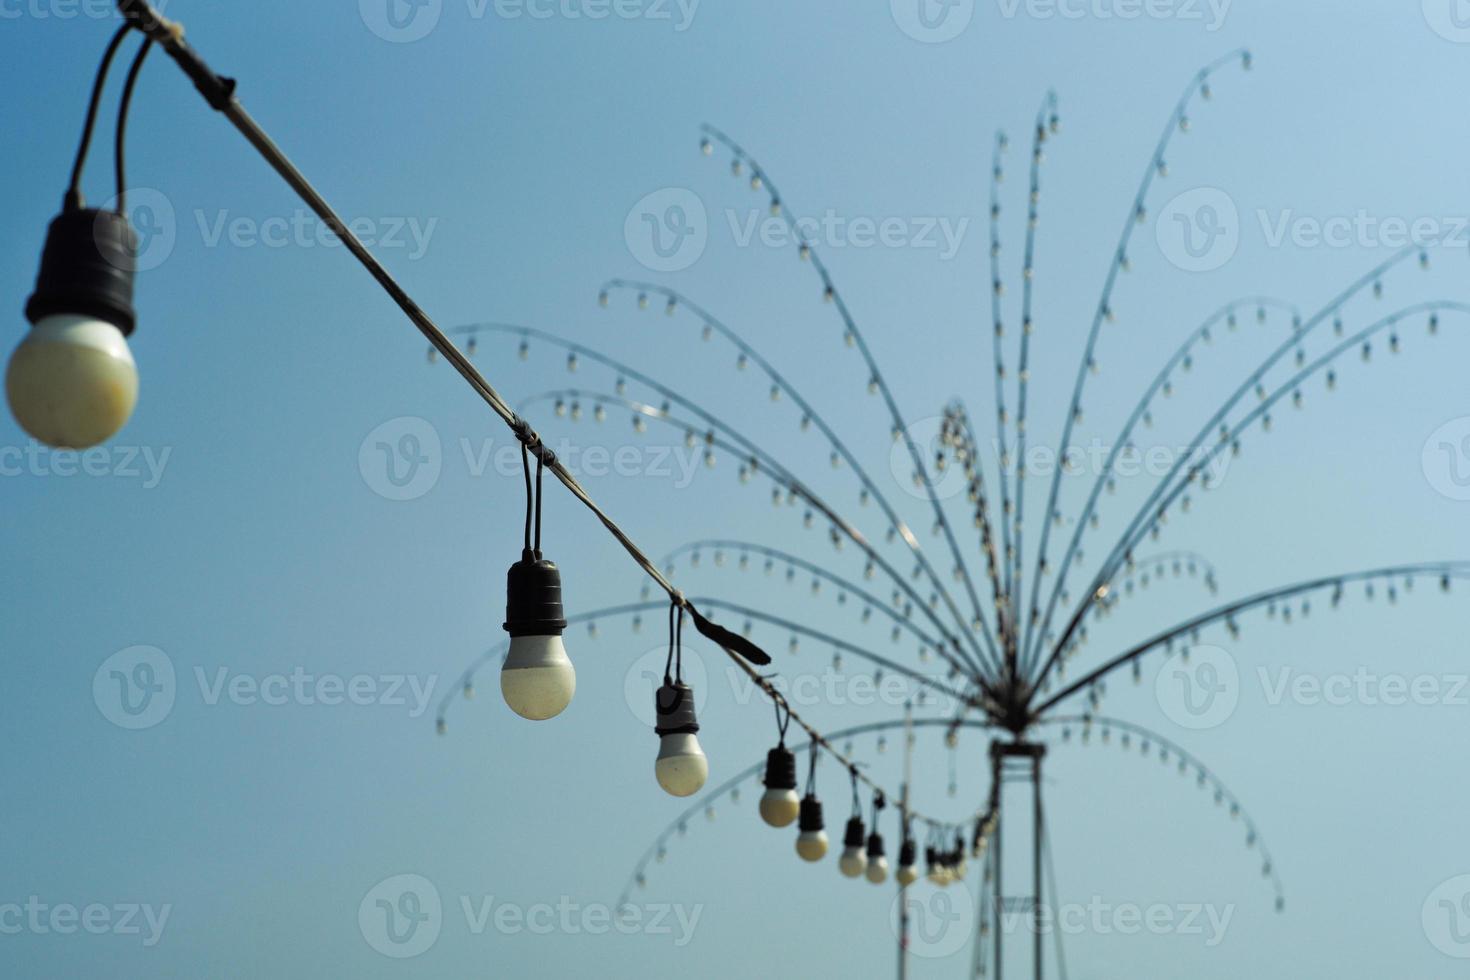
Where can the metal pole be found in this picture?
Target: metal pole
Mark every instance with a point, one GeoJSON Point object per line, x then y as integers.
{"type": "Point", "coordinates": [903, 815]}
{"type": "Point", "coordinates": [998, 900]}
{"type": "Point", "coordinates": [1036, 861]}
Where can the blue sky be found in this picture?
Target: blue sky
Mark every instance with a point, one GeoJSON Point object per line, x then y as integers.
{"type": "Point", "coordinates": [243, 527]}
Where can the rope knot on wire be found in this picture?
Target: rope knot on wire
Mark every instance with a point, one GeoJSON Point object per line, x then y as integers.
{"type": "Point", "coordinates": [531, 439]}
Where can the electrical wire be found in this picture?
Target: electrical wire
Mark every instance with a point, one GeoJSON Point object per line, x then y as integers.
{"type": "Point", "coordinates": [119, 156]}
{"type": "Point", "coordinates": [73, 198]}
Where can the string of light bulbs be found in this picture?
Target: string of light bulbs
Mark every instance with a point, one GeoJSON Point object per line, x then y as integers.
{"type": "Point", "coordinates": [680, 767]}
{"type": "Point", "coordinates": [775, 772]}
{"type": "Point", "coordinates": [72, 383]}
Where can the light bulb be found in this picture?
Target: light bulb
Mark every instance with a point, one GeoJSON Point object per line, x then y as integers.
{"type": "Point", "coordinates": [877, 870]}
{"type": "Point", "coordinates": [72, 382]}
{"type": "Point", "coordinates": [908, 872]}
{"type": "Point", "coordinates": [681, 767]}
{"type": "Point", "coordinates": [854, 860]}
{"type": "Point", "coordinates": [780, 806]}
{"type": "Point", "coordinates": [537, 679]}
{"type": "Point", "coordinates": [937, 874]}
{"type": "Point", "coordinates": [811, 843]}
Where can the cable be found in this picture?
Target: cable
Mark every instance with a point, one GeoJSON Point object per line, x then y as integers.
{"type": "Point", "coordinates": [73, 199]}
{"type": "Point", "coordinates": [526, 469]}
{"type": "Point", "coordinates": [538, 506]}
{"type": "Point", "coordinates": [122, 122]}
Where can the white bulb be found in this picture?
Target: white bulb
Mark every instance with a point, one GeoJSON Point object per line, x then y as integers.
{"type": "Point", "coordinates": [72, 382]}
{"type": "Point", "coordinates": [681, 767]}
{"type": "Point", "coordinates": [907, 874]}
{"type": "Point", "coordinates": [780, 807]}
{"type": "Point", "coordinates": [853, 862]}
{"type": "Point", "coordinates": [811, 845]}
{"type": "Point", "coordinates": [939, 876]}
{"type": "Point", "coordinates": [878, 870]}
{"type": "Point", "coordinates": [538, 679]}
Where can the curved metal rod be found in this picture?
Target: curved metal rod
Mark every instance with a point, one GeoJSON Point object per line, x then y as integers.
{"type": "Point", "coordinates": [466, 684]}
{"type": "Point", "coordinates": [1446, 570]}
{"type": "Point", "coordinates": [896, 523]}
{"type": "Point", "coordinates": [769, 467]}
{"type": "Point", "coordinates": [1127, 539]}
{"type": "Point", "coordinates": [1176, 557]}
{"type": "Point", "coordinates": [1028, 268]}
{"type": "Point", "coordinates": [1205, 774]}
{"type": "Point", "coordinates": [1229, 436]}
{"type": "Point", "coordinates": [1003, 462]}
{"type": "Point", "coordinates": [1177, 120]}
{"type": "Point", "coordinates": [876, 377]}
{"type": "Point", "coordinates": [1138, 571]}
{"type": "Point", "coordinates": [1200, 334]}
{"type": "Point", "coordinates": [899, 618]}
{"type": "Point", "coordinates": [706, 799]}
{"type": "Point", "coordinates": [962, 445]}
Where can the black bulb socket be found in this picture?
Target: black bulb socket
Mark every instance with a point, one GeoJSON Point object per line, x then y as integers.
{"type": "Point", "coordinates": [674, 705]}
{"type": "Point", "coordinates": [811, 814]}
{"type": "Point", "coordinates": [87, 269]}
{"type": "Point", "coordinates": [780, 768]}
{"type": "Point", "coordinates": [533, 597]}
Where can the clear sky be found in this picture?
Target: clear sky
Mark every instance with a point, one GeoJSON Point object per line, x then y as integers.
{"type": "Point", "coordinates": [244, 524]}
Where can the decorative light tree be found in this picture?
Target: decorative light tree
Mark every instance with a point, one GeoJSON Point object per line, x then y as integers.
{"type": "Point", "coordinates": [1010, 625]}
